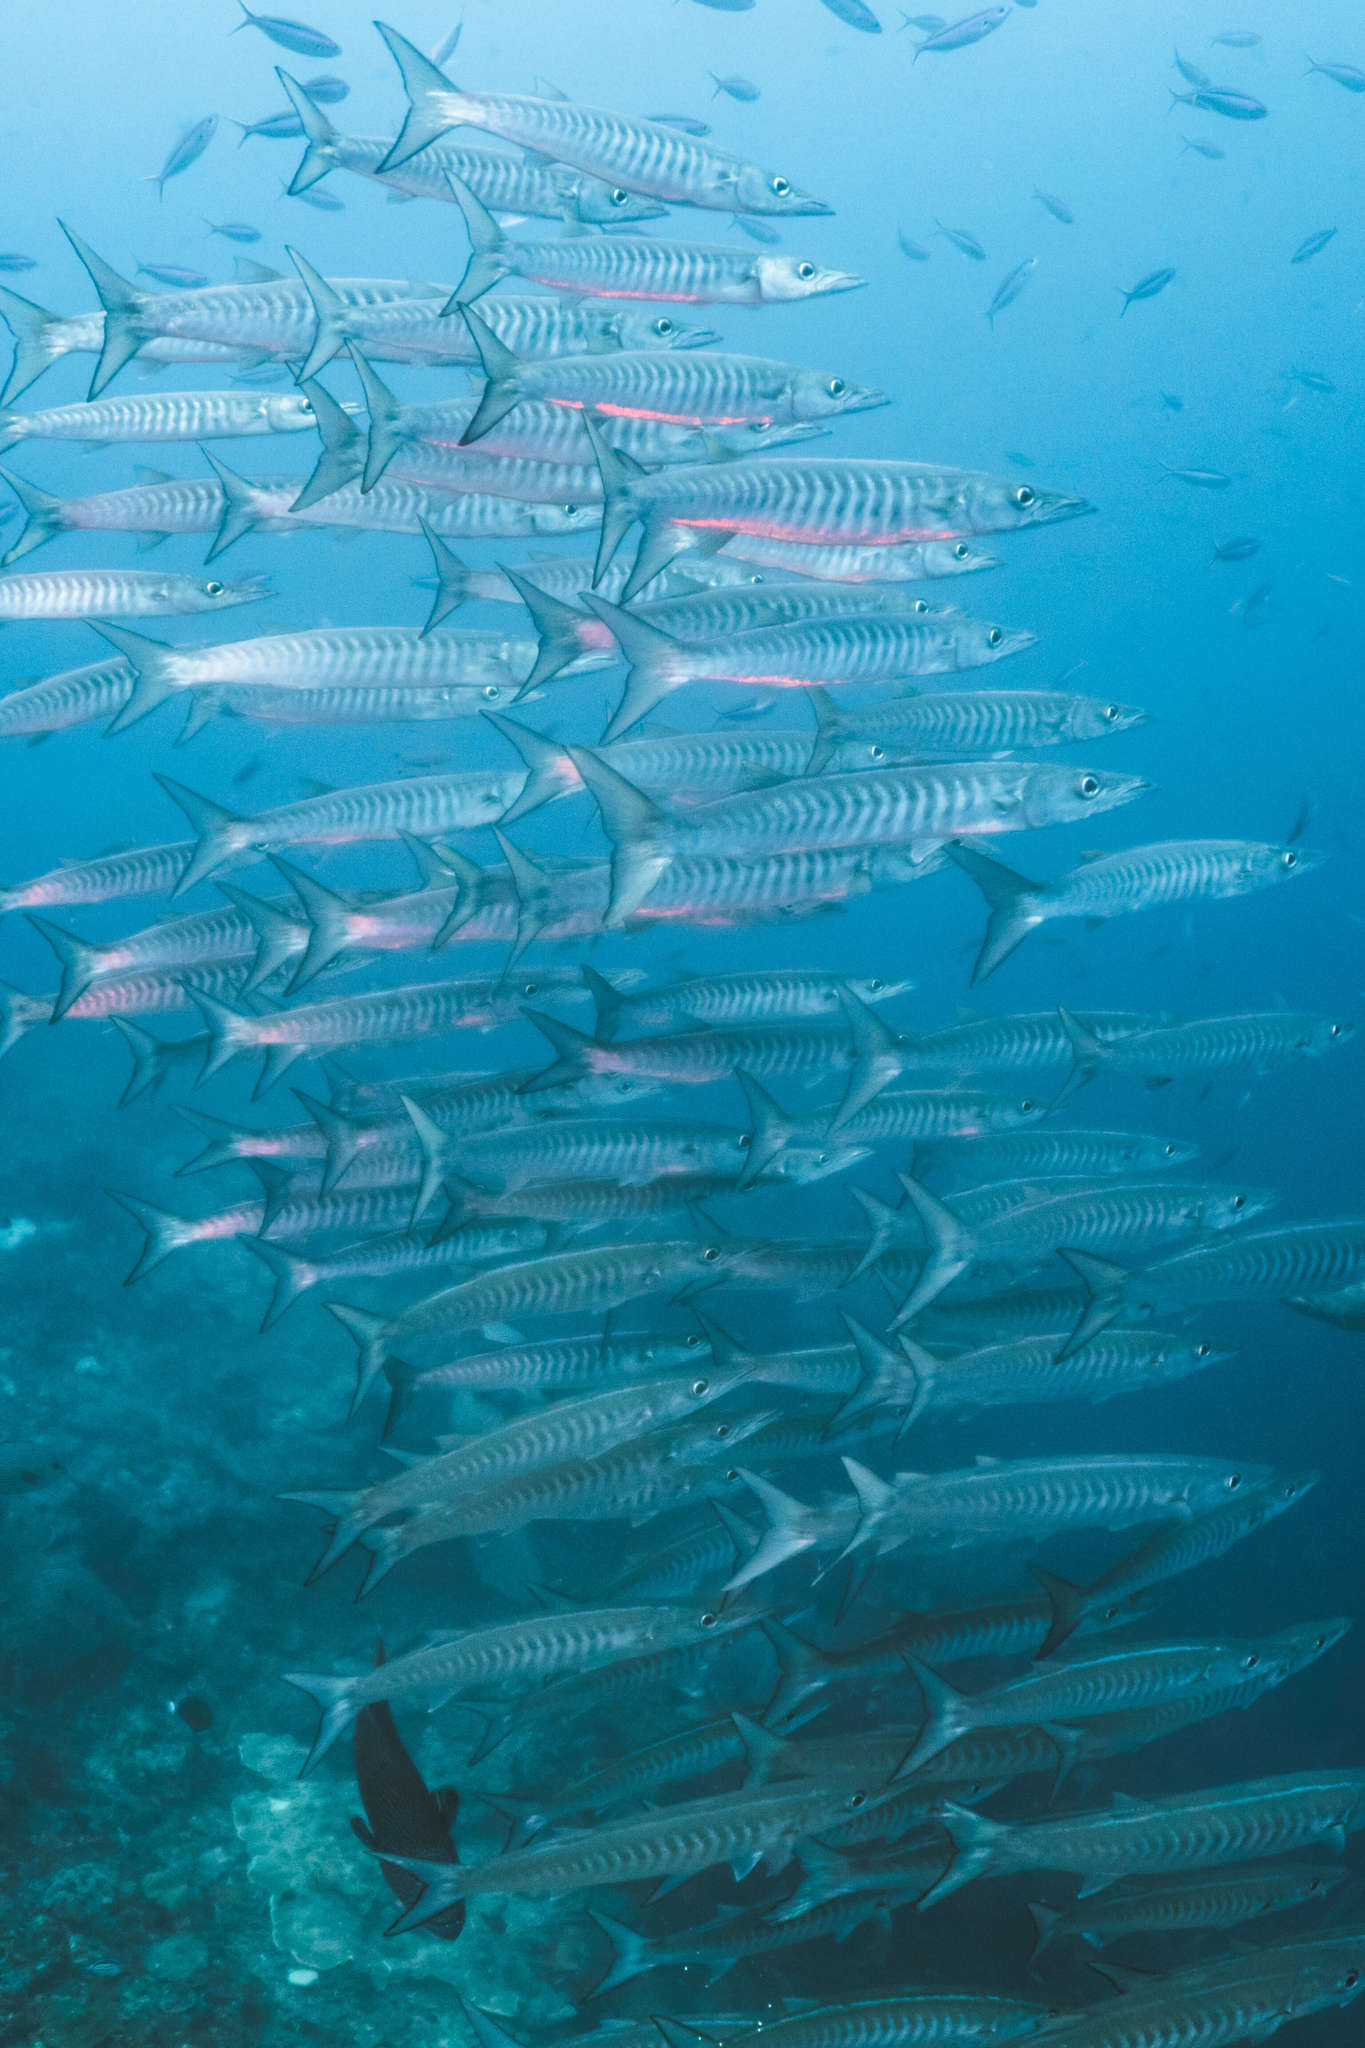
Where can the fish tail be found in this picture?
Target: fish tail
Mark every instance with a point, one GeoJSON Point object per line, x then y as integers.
{"type": "Point", "coordinates": [223, 1148]}
{"type": "Point", "coordinates": [661, 543]}
{"type": "Point", "coordinates": [950, 1250]}
{"type": "Point", "coordinates": [1011, 899]}
{"type": "Point", "coordinates": [618, 473]}
{"type": "Point", "coordinates": [1103, 1282]}
{"type": "Point", "coordinates": [1046, 1921]}
{"type": "Point", "coordinates": [341, 1131]}
{"type": "Point", "coordinates": [124, 331]}
{"type": "Point", "coordinates": [153, 665]}
{"type": "Point", "coordinates": [328, 913]}
{"type": "Point", "coordinates": [829, 729]}
{"type": "Point", "coordinates": [44, 516]}
{"type": "Point", "coordinates": [230, 1031]}
{"type": "Point", "coordinates": [34, 344]}
{"type": "Point", "coordinates": [340, 460]}
{"type": "Point", "coordinates": [293, 1273]}
{"type": "Point", "coordinates": [382, 1545]}
{"type": "Point", "coordinates": [212, 824]}
{"type": "Point", "coordinates": [331, 332]}
{"type": "Point", "coordinates": [1068, 1602]}
{"type": "Point", "coordinates": [947, 1714]}
{"type": "Point", "coordinates": [656, 663]}
{"type": "Point", "coordinates": [786, 1535]}
{"type": "Point", "coordinates": [636, 827]}
{"type": "Point", "coordinates": [575, 1049]}
{"type": "Point", "coordinates": [802, 1673]}
{"type": "Point", "coordinates": [886, 1374]}
{"type": "Point", "coordinates": [434, 104]}
{"type": "Point", "coordinates": [151, 1060]}
{"type": "Point", "coordinates": [164, 1233]}
{"type": "Point", "coordinates": [1087, 1054]}
{"type": "Point", "coordinates": [452, 575]}
{"type": "Point", "coordinates": [976, 1842]}
{"type": "Point", "coordinates": [77, 958]}
{"type": "Point", "coordinates": [277, 935]}
{"type": "Point", "coordinates": [319, 156]}
{"type": "Point", "coordinates": [874, 1497]}
{"type": "Point", "coordinates": [386, 421]}
{"type": "Point", "coordinates": [435, 1145]}
{"type": "Point", "coordinates": [771, 1130]}
{"type": "Point", "coordinates": [534, 891]}
{"type": "Point", "coordinates": [560, 629]}
{"type": "Point", "coordinates": [631, 1953]}
{"type": "Point", "coordinates": [550, 772]}
{"type": "Point", "coordinates": [501, 390]}
{"type": "Point", "coordinates": [372, 1333]}
{"type": "Point", "coordinates": [608, 1007]}
{"type": "Point", "coordinates": [338, 1706]}
{"type": "Point", "coordinates": [19, 1013]}
{"type": "Point", "coordinates": [240, 511]}
{"type": "Point", "coordinates": [402, 1381]}
{"type": "Point", "coordinates": [887, 1226]}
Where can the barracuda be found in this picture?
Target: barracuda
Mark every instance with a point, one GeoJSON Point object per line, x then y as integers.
{"type": "Point", "coordinates": [145, 871]}
{"type": "Point", "coordinates": [294, 1215]}
{"type": "Point", "coordinates": [250, 929]}
{"type": "Point", "coordinates": [560, 1365]}
{"type": "Point", "coordinates": [901, 807]}
{"type": "Point", "coordinates": [122, 594]}
{"type": "Point", "coordinates": [1025, 1154]}
{"type": "Point", "coordinates": [909, 562]}
{"type": "Point", "coordinates": [1216, 1899]}
{"type": "Point", "coordinates": [1026, 1371]}
{"type": "Point", "coordinates": [831, 500]}
{"type": "Point", "coordinates": [643, 156]}
{"type": "Point", "coordinates": [1260, 1041]}
{"type": "Point", "coordinates": [1140, 878]}
{"type": "Point", "coordinates": [170, 416]}
{"type": "Point", "coordinates": [396, 1251]}
{"type": "Point", "coordinates": [967, 722]}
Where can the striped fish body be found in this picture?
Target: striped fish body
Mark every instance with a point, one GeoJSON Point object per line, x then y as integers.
{"type": "Point", "coordinates": [388, 1016]}
{"type": "Point", "coordinates": [532, 327]}
{"type": "Point", "coordinates": [145, 871]}
{"type": "Point", "coordinates": [1038, 1039]}
{"type": "Point", "coordinates": [921, 2020]}
{"type": "Point", "coordinates": [1116, 1215]}
{"type": "Point", "coordinates": [153, 990]}
{"type": "Point", "coordinates": [540, 431]}
{"type": "Point", "coordinates": [396, 657]}
{"type": "Point", "coordinates": [563, 1283]}
{"type": "Point", "coordinates": [397, 507]}
{"type": "Point", "coordinates": [1027, 1371]}
{"type": "Point", "coordinates": [364, 704]}
{"type": "Point", "coordinates": [1260, 1042]}
{"type": "Point", "coordinates": [1023, 1154]}
{"type": "Point", "coordinates": [924, 1114]}
{"type": "Point", "coordinates": [562, 1365]}
{"type": "Point", "coordinates": [75, 697]}
{"type": "Point", "coordinates": [911, 562]}
{"type": "Point", "coordinates": [433, 467]}
{"type": "Point", "coordinates": [710, 388]}
{"type": "Point", "coordinates": [694, 1058]}
{"type": "Point", "coordinates": [1176, 871]}
{"type": "Point", "coordinates": [760, 996]}
{"type": "Point", "coordinates": [822, 650]}
{"type": "Point", "coordinates": [643, 156]}
{"type": "Point", "coordinates": [1277, 1263]}
{"type": "Point", "coordinates": [1213, 1899]}
{"type": "Point", "coordinates": [629, 1153]}
{"type": "Point", "coordinates": [1247, 1997]}
{"type": "Point", "coordinates": [500, 181]}
{"type": "Point", "coordinates": [1116, 1681]}
{"type": "Point", "coordinates": [170, 416]}
{"type": "Point", "coordinates": [119, 594]}
{"type": "Point", "coordinates": [276, 318]}
{"type": "Point", "coordinates": [982, 721]}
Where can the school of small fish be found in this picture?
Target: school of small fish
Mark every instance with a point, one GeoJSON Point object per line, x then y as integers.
{"type": "Point", "coordinates": [570, 1238]}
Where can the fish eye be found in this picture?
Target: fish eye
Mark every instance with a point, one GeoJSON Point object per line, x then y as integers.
{"type": "Point", "coordinates": [876, 982]}
{"type": "Point", "coordinates": [213, 589]}
{"type": "Point", "coordinates": [877, 753]}
{"type": "Point", "coordinates": [732, 1474]}
{"type": "Point", "coordinates": [1289, 860]}
{"type": "Point", "coordinates": [663, 325]}
{"type": "Point", "coordinates": [1233, 1481]}
{"type": "Point", "coordinates": [491, 693]}
{"type": "Point", "coordinates": [721, 1431]}
{"type": "Point", "coordinates": [857, 1799]}
{"type": "Point", "coordinates": [805, 271]}
{"type": "Point", "coordinates": [1250, 1663]}
{"type": "Point", "coordinates": [1351, 1979]}
{"type": "Point", "coordinates": [745, 1140]}
{"type": "Point", "coordinates": [711, 1254]}
{"type": "Point", "coordinates": [1024, 496]}
{"type": "Point", "coordinates": [1239, 1201]}
{"type": "Point", "coordinates": [1202, 1350]}
{"type": "Point", "coordinates": [692, 1342]}
{"type": "Point", "coordinates": [961, 551]}
{"type": "Point", "coordinates": [1319, 1642]}
{"type": "Point", "coordinates": [837, 387]}
{"type": "Point", "coordinates": [1089, 785]}
{"type": "Point", "coordinates": [1170, 1151]}
{"type": "Point", "coordinates": [1334, 1031]}
{"type": "Point", "coordinates": [1027, 1107]}
{"type": "Point", "coordinates": [708, 1620]}
{"type": "Point", "coordinates": [781, 186]}
{"type": "Point", "coordinates": [920, 606]}
{"type": "Point", "coordinates": [700, 1387]}
{"type": "Point", "coordinates": [569, 511]}
{"type": "Point", "coordinates": [1111, 711]}
{"type": "Point", "coordinates": [618, 197]}
{"type": "Point", "coordinates": [994, 637]}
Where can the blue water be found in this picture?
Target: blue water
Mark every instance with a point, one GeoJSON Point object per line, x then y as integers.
{"type": "Point", "coordinates": [145, 1434]}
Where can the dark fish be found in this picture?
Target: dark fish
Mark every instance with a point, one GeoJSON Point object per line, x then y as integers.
{"type": "Point", "coordinates": [1010, 286]}
{"type": "Point", "coordinates": [234, 230]}
{"type": "Point", "coordinates": [327, 90]}
{"type": "Point", "coordinates": [404, 1817]}
{"type": "Point", "coordinates": [1208, 149]}
{"type": "Point", "coordinates": [1237, 39]}
{"type": "Point", "coordinates": [1251, 607]}
{"type": "Point", "coordinates": [1056, 207]}
{"type": "Point", "coordinates": [186, 151]}
{"type": "Point", "coordinates": [1313, 380]}
{"type": "Point", "coordinates": [1215, 99]}
{"type": "Point", "coordinates": [1191, 73]}
{"type": "Point", "coordinates": [10, 259]}
{"type": "Point", "coordinates": [323, 201]}
{"type": "Point", "coordinates": [1349, 75]}
{"type": "Point", "coordinates": [1239, 550]}
{"type": "Point", "coordinates": [290, 35]}
{"type": "Point", "coordinates": [856, 15]}
{"type": "Point", "coordinates": [738, 88]}
{"type": "Point", "coordinates": [960, 239]}
{"type": "Point", "coordinates": [688, 124]}
{"type": "Point", "coordinates": [1300, 824]}
{"type": "Point", "coordinates": [909, 248]}
{"type": "Point", "coordinates": [173, 274]}
{"type": "Point", "coordinates": [1172, 401]}
{"type": "Point", "coordinates": [1311, 244]}
{"type": "Point", "coordinates": [1201, 479]}
{"type": "Point", "coordinates": [1147, 287]}
{"type": "Point", "coordinates": [275, 128]}
{"type": "Point", "coordinates": [958, 35]}
{"type": "Point", "coordinates": [756, 231]}
{"type": "Point", "coordinates": [248, 771]}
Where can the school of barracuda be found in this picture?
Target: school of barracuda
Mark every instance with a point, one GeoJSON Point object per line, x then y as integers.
{"type": "Point", "coordinates": [731, 1704]}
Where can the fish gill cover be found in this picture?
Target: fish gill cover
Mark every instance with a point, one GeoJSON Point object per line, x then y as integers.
{"type": "Point", "coordinates": [667, 1030]}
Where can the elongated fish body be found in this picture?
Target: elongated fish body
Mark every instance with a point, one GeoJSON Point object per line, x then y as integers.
{"type": "Point", "coordinates": [275, 318]}
{"type": "Point", "coordinates": [567, 577]}
{"type": "Point", "coordinates": [399, 507]}
{"type": "Point", "coordinates": [923, 1114]}
{"type": "Point", "coordinates": [298, 1216]}
{"type": "Point", "coordinates": [98, 690]}
{"type": "Point", "coordinates": [1247, 1997]}
{"type": "Point", "coordinates": [514, 1653]}
{"type": "Point", "coordinates": [827, 500]}
{"type": "Point", "coordinates": [919, 2020]}
{"type": "Point", "coordinates": [910, 562]}
{"type": "Point", "coordinates": [1210, 1899]}
{"type": "Point", "coordinates": [439, 468]}
{"type": "Point", "coordinates": [500, 181]}
{"type": "Point", "coordinates": [1115, 1214]}
{"type": "Point", "coordinates": [1184, 1832]}
{"type": "Point", "coordinates": [145, 871]}
{"type": "Point", "coordinates": [660, 269]}
{"type": "Point", "coordinates": [629, 1152]}
{"type": "Point", "coordinates": [560, 1365]}
{"type": "Point", "coordinates": [693, 1836]}
{"type": "Point", "coordinates": [1026, 1371]}
{"type": "Point", "coordinates": [202, 938]}
{"type": "Point", "coordinates": [1026, 1498]}
{"type": "Point", "coordinates": [121, 594]}
{"type": "Point", "coordinates": [398, 1250]}
{"type": "Point", "coordinates": [180, 505]}
{"type": "Point", "coordinates": [153, 990]}
{"type": "Point", "coordinates": [758, 996]}
{"type": "Point", "coordinates": [1035, 1039]}
{"type": "Point", "coordinates": [709, 389]}
{"type": "Point", "coordinates": [976, 1159]}
{"type": "Point", "coordinates": [694, 1058]}
{"type": "Point", "coordinates": [163, 416]}
{"type": "Point", "coordinates": [647, 157]}
{"type": "Point", "coordinates": [371, 704]}
{"type": "Point", "coordinates": [975, 722]}
{"type": "Point", "coordinates": [539, 431]}
{"type": "Point", "coordinates": [341, 656]}
{"type": "Point", "coordinates": [896, 807]}
{"type": "Point", "coordinates": [531, 327]}
{"type": "Point", "coordinates": [1278, 1263]}
{"type": "Point", "coordinates": [1260, 1041]}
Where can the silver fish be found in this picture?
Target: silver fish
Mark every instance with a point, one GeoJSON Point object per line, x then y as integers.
{"type": "Point", "coordinates": [122, 593]}
{"type": "Point", "coordinates": [163, 416]}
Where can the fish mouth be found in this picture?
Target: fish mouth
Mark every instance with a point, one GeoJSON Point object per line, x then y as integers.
{"type": "Point", "coordinates": [840, 281]}
{"type": "Point", "coordinates": [866, 401]}
{"type": "Point", "coordinates": [802, 203]}
{"type": "Point", "coordinates": [252, 586]}
{"type": "Point", "coordinates": [700, 337]}
{"type": "Point", "coordinates": [1065, 508]}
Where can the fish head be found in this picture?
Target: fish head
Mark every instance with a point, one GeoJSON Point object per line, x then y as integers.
{"type": "Point", "coordinates": [1265, 864]}
{"type": "Point", "coordinates": [1176, 1360]}
{"type": "Point", "coordinates": [1225, 1208]}
{"type": "Point", "coordinates": [287, 412]}
{"type": "Point", "coordinates": [955, 558]}
{"type": "Point", "coordinates": [1090, 718]}
{"type": "Point", "coordinates": [976, 642]}
{"type": "Point", "coordinates": [1293, 1649]}
{"type": "Point", "coordinates": [754, 190]}
{"type": "Point", "coordinates": [1150, 1153]}
{"type": "Point", "coordinates": [1015, 1112]}
{"type": "Point", "coordinates": [875, 988]}
{"type": "Point", "coordinates": [1282, 1490]}
{"type": "Point", "coordinates": [1056, 795]}
{"type": "Point", "coordinates": [782, 279]}
{"type": "Point", "coordinates": [217, 593]}
{"type": "Point", "coordinates": [1001, 504]}
{"type": "Point", "coordinates": [553, 519]}
{"type": "Point", "coordinates": [813, 395]}
{"type": "Point", "coordinates": [1211, 1484]}
{"type": "Point", "coordinates": [799, 1165]}
{"type": "Point", "coordinates": [628, 328]}
{"type": "Point", "coordinates": [595, 201]}
{"type": "Point", "coordinates": [1320, 1034]}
